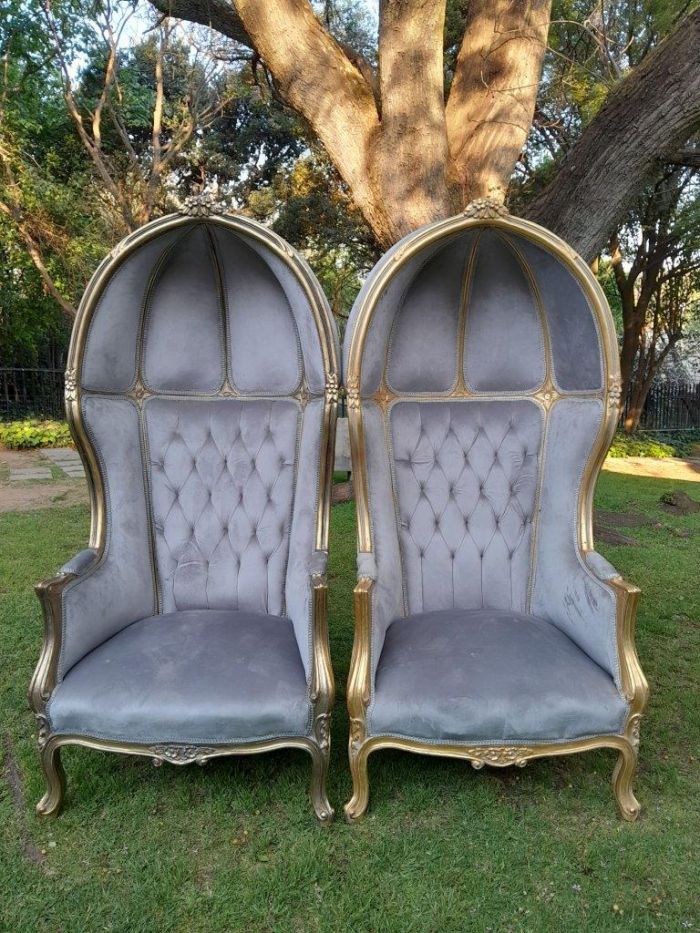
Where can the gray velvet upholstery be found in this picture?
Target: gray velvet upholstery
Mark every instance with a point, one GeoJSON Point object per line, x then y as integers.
{"type": "Point", "coordinates": [222, 480]}
{"type": "Point", "coordinates": [203, 676]}
{"type": "Point", "coordinates": [482, 399]}
{"type": "Point", "coordinates": [117, 589]}
{"type": "Point", "coordinates": [489, 676]}
{"type": "Point", "coordinates": [565, 590]}
{"type": "Point", "coordinates": [503, 348]}
{"type": "Point", "coordinates": [202, 395]}
{"type": "Point", "coordinates": [518, 300]}
{"type": "Point", "coordinates": [466, 477]}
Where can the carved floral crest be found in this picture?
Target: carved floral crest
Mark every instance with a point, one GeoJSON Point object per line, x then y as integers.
{"type": "Point", "coordinates": [202, 205]}
{"type": "Point", "coordinates": [615, 390]}
{"type": "Point", "coordinates": [498, 755]}
{"type": "Point", "coordinates": [182, 754]}
{"type": "Point", "coordinates": [352, 392]}
{"type": "Point", "coordinates": [332, 387]}
{"type": "Point", "coordinates": [486, 209]}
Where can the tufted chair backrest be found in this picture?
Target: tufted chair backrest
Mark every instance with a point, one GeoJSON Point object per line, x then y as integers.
{"type": "Point", "coordinates": [479, 358]}
{"type": "Point", "coordinates": [202, 359]}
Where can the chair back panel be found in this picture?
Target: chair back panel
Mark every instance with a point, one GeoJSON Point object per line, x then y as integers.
{"type": "Point", "coordinates": [466, 481]}
{"type": "Point", "coordinates": [222, 485]}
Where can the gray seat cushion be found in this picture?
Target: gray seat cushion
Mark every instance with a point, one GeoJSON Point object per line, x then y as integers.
{"type": "Point", "coordinates": [487, 676]}
{"type": "Point", "coordinates": [198, 676]}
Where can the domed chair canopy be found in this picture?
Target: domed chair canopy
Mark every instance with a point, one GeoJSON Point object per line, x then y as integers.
{"type": "Point", "coordinates": [483, 384]}
{"type": "Point", "coordinates": [201, 391]}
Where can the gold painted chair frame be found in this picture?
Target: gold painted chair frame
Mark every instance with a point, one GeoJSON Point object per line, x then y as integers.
{"type": "Point", "coordinates": [634, 685]}
{"type": "Point", "coordinates": [322, 688]}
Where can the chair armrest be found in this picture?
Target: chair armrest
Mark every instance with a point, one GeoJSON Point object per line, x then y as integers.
{"type": "Point", "coordinates": [631, 682]}
{"type": "Point", "coordinates": [51, 594]}
{"type": "Point", "coordinates": [81, 562]}
{"type": "Point", "coordinates": [601, 567]}
{"type": "Point", "coordinates": [322, 682]}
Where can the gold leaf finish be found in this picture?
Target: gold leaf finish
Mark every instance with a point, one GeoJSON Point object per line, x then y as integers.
{"type": "Point", "coordinates": [485, 209]}
{"type": "Point", "coordinates": [182, 754]}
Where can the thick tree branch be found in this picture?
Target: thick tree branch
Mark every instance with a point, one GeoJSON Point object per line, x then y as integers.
{"type": "Point", "coordinates": [689, 157]}
{"type": "Point", "coordinates": [218, 14]}
{"type": "Point", "coordinates": [414, 150]}
{"type": "Point", "coordinates": [32, 248]}
{"type": "Point", "coordinates": [647, 117]}
{"type": "Point", "coordinates": [493, 93]}
{"type": "Point", "coordinates": [318, 80]}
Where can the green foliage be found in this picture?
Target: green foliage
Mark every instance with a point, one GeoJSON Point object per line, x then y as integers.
{"type": "Point", "coordinates": [642, 444]}
{"type": "Point", "coordinates": [21, 435]}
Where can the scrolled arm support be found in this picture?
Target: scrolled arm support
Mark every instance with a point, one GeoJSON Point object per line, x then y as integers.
{"type": "Point", "coordinates": [50, 593]}
{"type": "Point", "coordinates": [359, 681]}
{"type": "Point", "coordinates": [633, 683]}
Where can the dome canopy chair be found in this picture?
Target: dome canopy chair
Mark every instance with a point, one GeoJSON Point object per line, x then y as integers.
{"type": "Point", "coordinates": [483, 387]}
{"type": "Point", "coordinates": [201, 392]}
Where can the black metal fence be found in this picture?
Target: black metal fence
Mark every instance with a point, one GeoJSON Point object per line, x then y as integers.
{"type": "Point", "coordinates": [31, 393]}
{"type": "Point", "coordinates": [671, 408]}
{"type": "Point", "coordinates": [39, 393]}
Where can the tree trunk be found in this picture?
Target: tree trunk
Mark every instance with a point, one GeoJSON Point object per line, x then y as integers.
{"type": "Point", "coordinates": [407, 163]}
{"type": "Point", "coordinates": [492, 98]}
{"type": "Point", "coordinates": [407, 158]}
{"type": "Point", "coordinates": [411, 151]}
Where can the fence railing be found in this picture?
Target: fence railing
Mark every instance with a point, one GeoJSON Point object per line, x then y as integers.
{"type": "Point", "coordinates": [39, 393]}
{"type": "Point", "coordinates": [31, 392]}
{"type": "Point", "coordinates": [671, 407]}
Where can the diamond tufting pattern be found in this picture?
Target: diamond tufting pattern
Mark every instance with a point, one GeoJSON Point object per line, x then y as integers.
{"type": "Point", "coordinates": [222, 480]}
{"type": "Point", "coordinates": [466, 480]}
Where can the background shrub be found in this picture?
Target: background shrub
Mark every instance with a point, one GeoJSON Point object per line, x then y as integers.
{"type": "Point", "coordinates": [22, 435]}
{"type": "Point", "coordinates": [670, 444]}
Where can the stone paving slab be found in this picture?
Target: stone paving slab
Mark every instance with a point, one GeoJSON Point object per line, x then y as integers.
{"type": "Point", "coordinates": [66, 459]}
{"type": "Point", "coordinates": [27, 473]}
{"type": "Point", "coordinates": [58, 454]}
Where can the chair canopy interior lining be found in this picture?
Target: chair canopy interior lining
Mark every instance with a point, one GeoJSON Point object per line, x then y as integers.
{"type": "Point", "coordinates": [202, 307]}
{"type": "Point", "coordinates": [484, 311]}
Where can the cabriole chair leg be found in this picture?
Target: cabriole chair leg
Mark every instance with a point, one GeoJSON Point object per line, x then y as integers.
{"type": "Point", "coordinates": [356, 807]}
{"type": "Point", "coordinates": [623, 776]}
{"type": "Point", "coordinates": [319, 771]}
{"type": "Point", "coordinates": [52, 801]}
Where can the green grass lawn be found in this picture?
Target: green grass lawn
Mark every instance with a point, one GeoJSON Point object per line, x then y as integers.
{"type": "Point", "coordinates": [234, 845]}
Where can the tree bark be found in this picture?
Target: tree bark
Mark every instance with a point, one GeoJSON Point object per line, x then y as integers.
{"type": "Point", "coordinates": [412, 145]}
{"type": "Point", "coordinates": [647, 117]}
{"type": "Point", "coordinates": [387, 135]}
{"type": "Point", "coordinates": [493, 93]}
{"type": "Point", "coordinates": [317, 79]}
